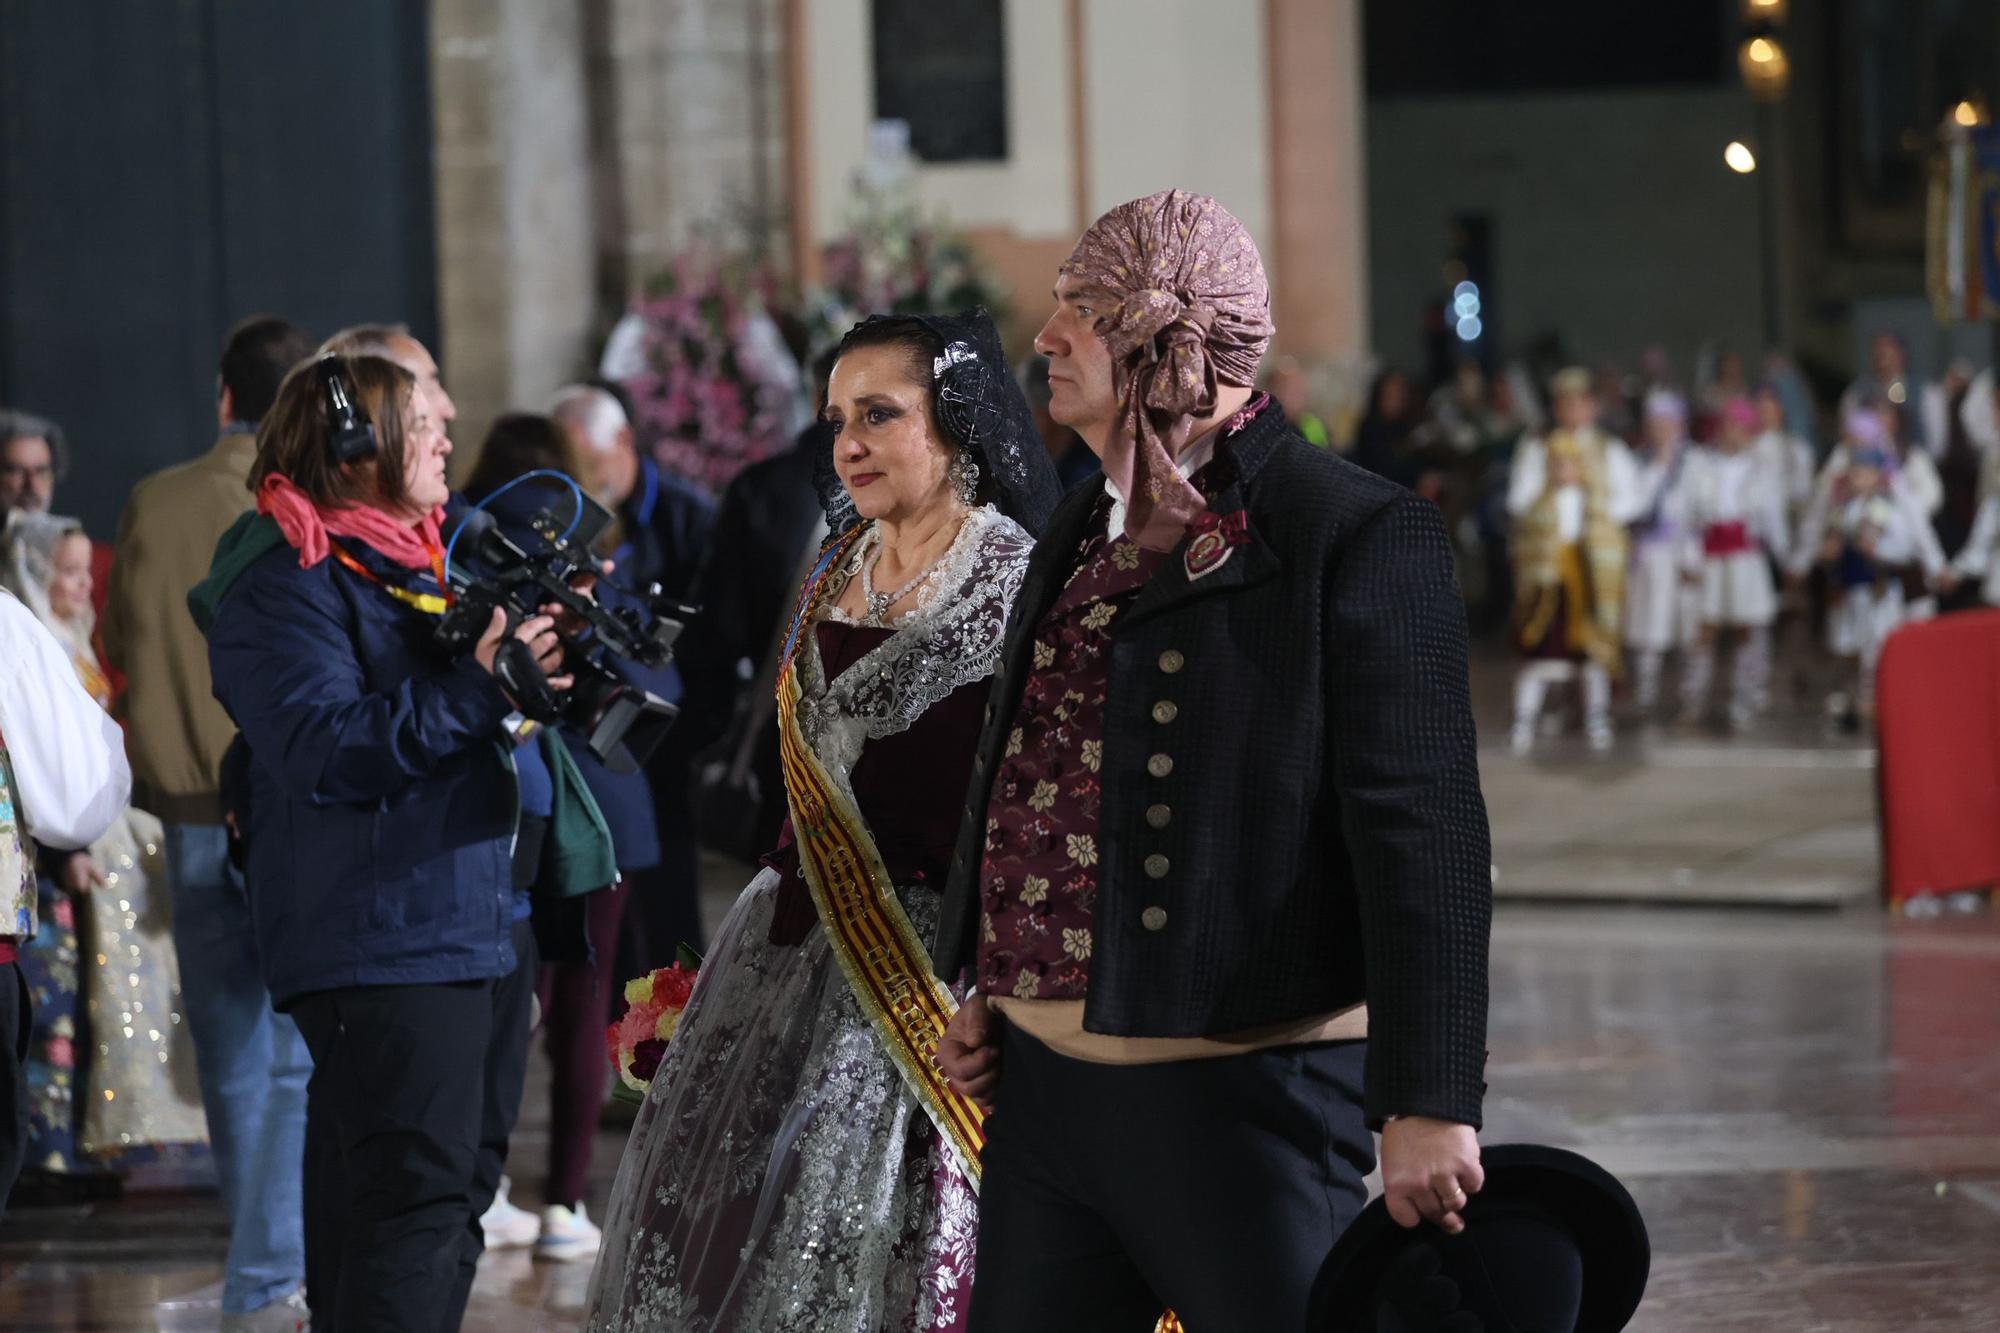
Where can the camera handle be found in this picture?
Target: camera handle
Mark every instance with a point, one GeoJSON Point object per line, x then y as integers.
{"type": "Point", "coordinates": [515, 668]}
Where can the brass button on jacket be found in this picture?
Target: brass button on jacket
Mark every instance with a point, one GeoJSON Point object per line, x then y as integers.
{"type": "Point", "coordinates": [1159, 816]}
{"type": "Point", "coordinates": [1172, 661]}
{"type": "Point", "coordinates": [1157, 866]}
{"type": "Point", "coordinates": [1160, 765]}
{"type": "Point", "coordinates": [1165, 711]}
{"type": "Point", "coordinates": [1154, 918]}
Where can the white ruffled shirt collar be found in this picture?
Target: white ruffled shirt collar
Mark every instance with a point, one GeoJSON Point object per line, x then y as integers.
{"type": "Point", "coordinates": [1192, 461]}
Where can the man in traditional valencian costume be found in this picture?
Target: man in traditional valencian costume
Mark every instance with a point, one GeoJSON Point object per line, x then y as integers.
{"type": "Point", "coordinates": [1223, 884]}
{"type": "Point", "coordinates": [1571, 494]}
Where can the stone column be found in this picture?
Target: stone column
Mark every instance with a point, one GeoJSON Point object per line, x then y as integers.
{"type": "Point", "coordinates": [515, 230]}
{"type": "Point", "coordinates": [700, 126]}
{"type": "Point", "coordinates": [1318, 177]}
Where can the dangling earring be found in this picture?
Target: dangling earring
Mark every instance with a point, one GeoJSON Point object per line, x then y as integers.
{"type": "Point", "coordinates": [964, 474]}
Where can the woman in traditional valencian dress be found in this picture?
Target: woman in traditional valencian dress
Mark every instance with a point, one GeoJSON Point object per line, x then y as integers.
{"type": "Point", "coordinates": [799, 1163]}
{"type": "Point", "coordinates": [110, 1067]}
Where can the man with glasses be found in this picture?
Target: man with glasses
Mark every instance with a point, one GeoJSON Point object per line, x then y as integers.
{"type": "Point", "coordinates": [31, 459]}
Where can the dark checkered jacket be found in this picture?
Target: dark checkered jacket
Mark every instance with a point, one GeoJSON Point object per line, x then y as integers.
{"type": "Point", "coordinates": [1302, 828]}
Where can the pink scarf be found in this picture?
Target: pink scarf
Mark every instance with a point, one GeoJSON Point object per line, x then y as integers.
{"type": "Point", "coordinates": [1188, 307]}
{"type": "Point", "coordinates": [307, 526]}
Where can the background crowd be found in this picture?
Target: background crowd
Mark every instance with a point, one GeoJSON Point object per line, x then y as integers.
{"type": "Point", "coordinates": [1833, 472]}
{"type": "Point", "coordinates": [1862, 508]}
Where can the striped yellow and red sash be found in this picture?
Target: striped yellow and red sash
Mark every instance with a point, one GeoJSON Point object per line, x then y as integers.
{"type": "Point", "coordinates": [885, 963]}
{"type": "Point", "coordinates": [887, 966]}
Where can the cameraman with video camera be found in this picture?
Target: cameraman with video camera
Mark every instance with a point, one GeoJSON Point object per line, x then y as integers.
{"type": "Point", "coordinates": [383, 817]}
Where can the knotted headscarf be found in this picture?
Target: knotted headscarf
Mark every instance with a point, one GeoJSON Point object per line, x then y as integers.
{"type": "Point", "coordinates": [1184, 306]}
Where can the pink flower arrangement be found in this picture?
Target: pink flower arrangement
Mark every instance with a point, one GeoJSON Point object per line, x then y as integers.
{"type": "Point", "coordinates": [711, 377]}
{"type": "Point", "coordinates": [714, 388]}
{"type": "Point", "coordinates": [638, 1041]}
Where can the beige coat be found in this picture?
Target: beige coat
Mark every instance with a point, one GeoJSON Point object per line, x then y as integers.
{"type": "Point", "coordinates": [175, 730]}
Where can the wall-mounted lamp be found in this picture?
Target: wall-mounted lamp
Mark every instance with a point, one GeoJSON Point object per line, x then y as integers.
{"type": "Point", "coordinates": [1766, 70]}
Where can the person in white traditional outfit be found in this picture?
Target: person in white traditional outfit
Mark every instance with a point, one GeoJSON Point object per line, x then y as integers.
{"type": "Point", "coordinates": [111, 1065]}
{"type": "Point", "coordinates": [798, 1164]}
{"type": "Point", "coordinates": [1786, 455]}
{"type": "Point", "coordinates": [1874, 538]}
{"type": "Point", "coordinates": [63, 782]}
{"type": "Point", "coordinates": [1789, 454]}
{"type": "Point", "coordinates": [1912, 474]}
{"type": "Point", "coordinates": [1736, 506]}
{"type": "Point", "coordinates": [1571, 494]}
{"type": "Point", "coordinates": [1915, 474]}
{"type": "Point", "coordinates": [1979, 557]}
{"type": "Point", "coordinates": [1661, 612]}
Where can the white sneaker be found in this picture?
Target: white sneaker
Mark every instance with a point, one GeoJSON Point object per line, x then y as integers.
{"type": "Point", "coordinates": [288, 1314]}
{"type": "Point", "coordinates": [505, 1226]}
{"type": "Point", "coordinates": [567, 1236]}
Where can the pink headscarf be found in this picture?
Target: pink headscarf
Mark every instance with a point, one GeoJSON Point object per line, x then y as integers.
{"type": "Point", "coordinates": [1186, 306]}
{"type": "Point", "coordinates": [1740, 412]}
{"type": "Point", "coordinates": [306, 526]}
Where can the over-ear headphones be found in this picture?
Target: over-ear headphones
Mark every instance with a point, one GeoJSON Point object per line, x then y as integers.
{"type": "Point", "coordinates": [350, 435]}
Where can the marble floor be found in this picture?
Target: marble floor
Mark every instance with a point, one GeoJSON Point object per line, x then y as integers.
{"type": "Point", "coordinates": [1691, 984]}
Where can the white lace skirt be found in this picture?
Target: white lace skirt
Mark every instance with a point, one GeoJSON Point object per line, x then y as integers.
{"type": "Point", "coordinates": [780, 1177]}
{"type": "Point", "coordinates": [1738, 590]}
{"type": "Point", "coordinates": [1661, 611]}
{"type": "Point", "coordinates": [1863, 619]}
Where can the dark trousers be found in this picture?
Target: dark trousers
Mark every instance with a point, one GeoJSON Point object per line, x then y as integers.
{"type": "Point", "coordinates": [16, 1024]}
{"type": "Point", "coordinates": [1213, 1187]}
{"type": "Point", "coordinates": [575, 996]}
{"type": "Point", "coordinates": [414, 1092]}
{"type": "Point", "coordinates": [665, 908]}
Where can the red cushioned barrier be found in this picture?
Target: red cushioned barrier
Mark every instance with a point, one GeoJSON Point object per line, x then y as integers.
{"type": "Point", "coordinates": [1937, 708]}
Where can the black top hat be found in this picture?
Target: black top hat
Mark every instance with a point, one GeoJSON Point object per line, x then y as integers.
{"type": "Point", "coordinates": [1552, 1244]}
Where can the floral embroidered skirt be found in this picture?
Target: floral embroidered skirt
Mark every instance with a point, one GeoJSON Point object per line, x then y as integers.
{"type": "Point", "coordinates": [780, 1176]}
{"type": "Point", "coordinates": [110, 1068]}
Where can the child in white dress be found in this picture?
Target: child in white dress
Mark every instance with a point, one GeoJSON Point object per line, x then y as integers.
{"type": "Point", "coordinates": [1736, 506]}
{"type": "Point", "coordinates": [1872, 535]}
{"type": "Point", "coordinates": [1661, 611]}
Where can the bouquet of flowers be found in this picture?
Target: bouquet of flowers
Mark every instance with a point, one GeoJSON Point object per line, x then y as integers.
{"type": "Point", "coordinates": [653, 1005]}
{"type": "Point", "coordinates": [895, 260]}
{"type": "Point", "coordinates": [713, 386]}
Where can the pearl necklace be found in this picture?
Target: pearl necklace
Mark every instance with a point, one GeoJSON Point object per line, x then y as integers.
{"type": "Point", "coordinates": [875, 605]}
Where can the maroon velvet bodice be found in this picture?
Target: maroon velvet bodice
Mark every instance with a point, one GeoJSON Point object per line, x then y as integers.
{"type": "Point", "coordinates": [910, 786]}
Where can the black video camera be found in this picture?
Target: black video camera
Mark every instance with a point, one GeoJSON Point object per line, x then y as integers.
{"type": "Point", "coordinates": [522, 572]}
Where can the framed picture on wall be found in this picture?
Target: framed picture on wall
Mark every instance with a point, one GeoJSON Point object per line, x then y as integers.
{"type": "Point", "coordinates": [1898, 67]}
